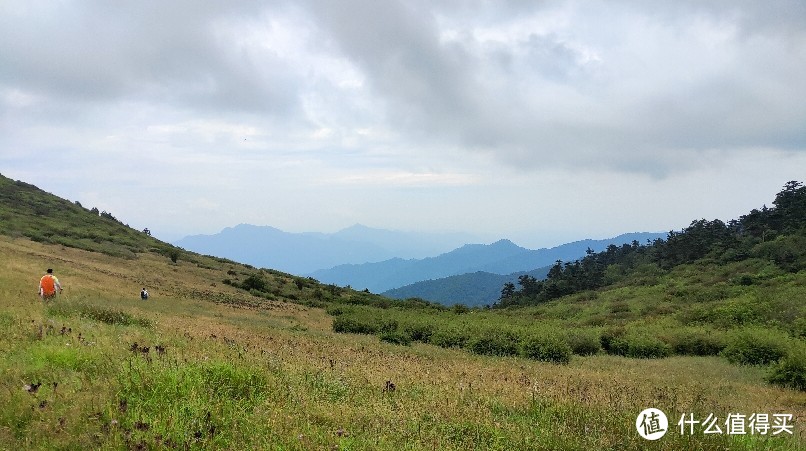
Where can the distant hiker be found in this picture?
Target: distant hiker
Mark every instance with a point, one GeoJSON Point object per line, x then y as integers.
{"type": "Point", "coordinates": [144, 294]}
{"type": "Point", "coordinates": [48, 285]}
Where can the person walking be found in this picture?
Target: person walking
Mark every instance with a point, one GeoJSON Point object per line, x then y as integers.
{"type": "Point", "coordinates": [49, 285]}
{"type": "Point", "coordinates": [144, 294]}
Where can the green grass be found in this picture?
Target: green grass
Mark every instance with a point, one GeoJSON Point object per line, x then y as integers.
{"type": "Point", "coordinates": [96, 313]}
{"type": "Point", "coordinates": [204, 364]}
{"type": "Point", "coordinates": [703, 309]}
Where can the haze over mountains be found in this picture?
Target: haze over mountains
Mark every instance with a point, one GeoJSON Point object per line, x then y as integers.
{"type": "Point", "coordinates": [303, 253]}
{"type": "Point", "coordinates": [471, 289]}
{"type": "Point", "coordinates": [383, 260]}
{"type": "Point", "coordinates": [502, 257]}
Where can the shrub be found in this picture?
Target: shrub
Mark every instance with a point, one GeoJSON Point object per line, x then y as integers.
{"type": "Point", "coordinates": [756, 347]}
{"type": "Point", "coordinates": [387, 326]}
{"type": "Point", "coordinates": [314, 304]}
{"type": "Point", "coordinates": [419, 331]}
{"type": "Point", "coordinates": [699, 342]}
{"type": "Point", "coordinates": [254, 282]}
{"type": "Point", "coordinates": [334, 311]}
{"type": "Point", "coordinates": [738, 313]}
{"type": "Point", "coordinates": [398, 338]}
{"type": "Point", "coordinates": [494, 343]}
{"type": "Point", "coordinates": [790, 371]}
{"type": "Point", "coordinates": [786, 251]}
{"type": "Point", "coordinates": [546, 348]}
{"type": "Point", "coordinates": [645, 346]}
{"type": "Point", "coordinates": [613, 341]}
{"type": "Point", "coordinates": [344, 324]}
{"type": "Point", "coordinates": [584, 341]}
{"type": "Point", "coordinates": [799, 328]}
{"type": "Point", "coordinates": [450, 337]}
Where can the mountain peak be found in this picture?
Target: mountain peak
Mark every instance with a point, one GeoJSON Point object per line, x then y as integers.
{"type": "Point", "coordinates": [505, 243]}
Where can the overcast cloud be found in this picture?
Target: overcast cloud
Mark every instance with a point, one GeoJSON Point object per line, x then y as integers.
{"type": "Point", "coordinates": [543, 122]}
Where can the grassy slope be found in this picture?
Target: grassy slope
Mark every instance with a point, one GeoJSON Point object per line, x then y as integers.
{"type": "Point", "coordinates": [280, 374]}
{"type": "Point", "coordinates": [243, 372]}
{"type": "Point", "coordinates": [25, 210]}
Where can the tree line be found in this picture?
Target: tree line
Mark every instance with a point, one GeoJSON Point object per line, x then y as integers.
{"type": "Point", "coordinates": [777, 233]}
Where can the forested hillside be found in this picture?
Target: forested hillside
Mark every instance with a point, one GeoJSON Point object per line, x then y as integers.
{"type": "Point", "coordinates": [776, 234]}
{"type": "Point", "coordinates": [713, 289]}
{"type": "Point", "coordinates": [26, 210]}
{"type": "Point", "coordinates": [476, 289]}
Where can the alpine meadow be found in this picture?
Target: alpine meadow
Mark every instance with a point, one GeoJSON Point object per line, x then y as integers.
{"type": "Point", "coordinates": [706, 326]}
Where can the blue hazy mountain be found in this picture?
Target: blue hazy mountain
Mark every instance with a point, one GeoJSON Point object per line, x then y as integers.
{"type": "Point", "coordinates": [502, 257]}
{"type": "Point", "coordinates": [397, 272]}
{"type": "Point", "coordinates": [301, 253]}
{"type": "Point", "coordinates": [471, 289]}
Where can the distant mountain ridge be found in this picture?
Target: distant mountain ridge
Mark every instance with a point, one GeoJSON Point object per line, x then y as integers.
{"type": "Point", "coordinates": [302, 253]}
{"type": "Point", "coordinates": [471, 289]}
{"type": "Point", "coordinates": [502, 257]}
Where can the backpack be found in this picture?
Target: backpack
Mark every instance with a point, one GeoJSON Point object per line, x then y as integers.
{"type": "Point", "coordinates": [144, 294]}
{"type": "Point", "coordinates": [48, 284]}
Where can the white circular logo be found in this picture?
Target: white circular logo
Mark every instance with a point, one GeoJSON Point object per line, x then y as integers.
{"type": "Point", "coordinates": [651, 424]}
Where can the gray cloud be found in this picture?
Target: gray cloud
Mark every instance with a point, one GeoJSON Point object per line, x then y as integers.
{"type": "Point", "coordinates": [160, 52]}
{"type": "Point", "coordinates": [685, 77]}
{"type": "Point", "coordinates": [571, 83]}
{"type": "Point", "coordinates": [334, 105]}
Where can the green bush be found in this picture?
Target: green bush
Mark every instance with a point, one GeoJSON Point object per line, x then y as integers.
{"type": "Point", "coordinates": [494, 343]}
{"type": "Point", "coordinates": [419, 331]}
{"type": "Point", "coordinates": [584, 341]}
{"type": "Point", "coordinates": [790, 370]}
{"type": "Point", "coordinates": [614, 341]}
{"type": "Point", "coordinates": [799, 328]}
{"type": "Point", "coordinates": [450, 337]}
{"type": "Point", "coordinates": [387, 326]}
{"type": "Point", "coordinates": [546, 348]}
{"type": "Point", "coordinates": [254, 282]}
{"type": "Point", "coordinates": [334, 311]}
{"type": "Point", "coordinates": [738, 313]}
{"type": "Point", "coordinates": [700, 342]}
{"type": "Point", "coordinates": [646, 346]}
{"type": "Point", "coordinates": [312, 303]}
{"type": "Point", "coordinates": [398, 338]}
{"type": "Point", "coordinates": [786, 251]}
{"type": "Point", "coordinates": [756, 347]}
{"type": "Point", "coordinates": [345, 324]}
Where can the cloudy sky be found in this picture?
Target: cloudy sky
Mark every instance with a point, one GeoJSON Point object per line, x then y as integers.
{"type": "Point", "coordinates": [539, 121]}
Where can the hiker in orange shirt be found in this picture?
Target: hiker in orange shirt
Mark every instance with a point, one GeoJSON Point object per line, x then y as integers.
{"type": "Point", "coordinates": [48, 285]}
